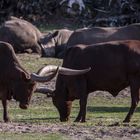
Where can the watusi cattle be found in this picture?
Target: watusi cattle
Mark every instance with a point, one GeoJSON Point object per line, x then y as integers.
{"type": "Point", "coordinates": [17, 83]}
{"type": "Point", "coordinates": [56, 44]}
{"type": "Point", "coordinates": [95, 35]}
{"type": "Point", "coordinates": [114, 66]}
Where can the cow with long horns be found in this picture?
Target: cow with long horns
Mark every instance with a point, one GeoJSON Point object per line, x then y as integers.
{"type": "Point", "coordinates": [17, 83]}
{"type": "Point", "coordinates": [56, 44]}
{"type": "Point", "coordinates": [114, 66]}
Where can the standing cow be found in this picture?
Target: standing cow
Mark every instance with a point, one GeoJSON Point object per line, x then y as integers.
{"type": "Point", "coordinates": [114, 66]}
{"type": "Point", "coordinates": [17, 83]}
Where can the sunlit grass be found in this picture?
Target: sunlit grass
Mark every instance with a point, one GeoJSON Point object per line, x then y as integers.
{"type": "Point", "coordinates": [98, 110]}
{"type": "Point", "coordinates": [33, 63]}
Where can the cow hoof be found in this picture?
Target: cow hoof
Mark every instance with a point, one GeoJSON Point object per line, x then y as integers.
{"type": "Point", "coordinates": [6, 120]}
{"type": "Point", "coordinates": [64, 119]}
{"type": "Point", "coordinates": [126, 121]}
{"type": "Point", "coordinates": [82, 121]}
{"type": "Point", "coordinates": [77, 120]}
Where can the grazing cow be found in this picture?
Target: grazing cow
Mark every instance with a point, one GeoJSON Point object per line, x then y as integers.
{"type": "Point", "coordinates": [114, 66]}
{"type": "Point", "coordinates": [21, 34]}
{"type": "Point", "coordinates": [54, 44]}
{"type": "Point", "coordinates": [16, 82]}
{"type": "Point", "coordinates": [104, 34]}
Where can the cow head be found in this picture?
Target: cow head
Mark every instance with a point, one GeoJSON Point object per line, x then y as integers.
{"type": "Point", "coordinates": [63, 106]}
{"type": "Point", "coordinates": [25, 84]}
{"type": "Point", "coordinates": [48, 43]}
{"type": "Point", "coordinates": [60, 94]}
{"type": "Point", "coordinates": [22, 90]}
{"type": "Point", "coordinates": [60, 99]}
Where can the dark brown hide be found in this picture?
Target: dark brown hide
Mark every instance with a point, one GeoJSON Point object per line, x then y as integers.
{"type": "Point", "coordinates": [99, 34]}
{"type": "Point", "coordinates": [14, 80]}
{"type": "Point", "coordinates": [114, 66]}
{"type": "Point", "coordinates": [21, 34]}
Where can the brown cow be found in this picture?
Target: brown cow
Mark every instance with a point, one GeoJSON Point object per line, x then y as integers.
{"type": "Point", "coordinates": [104, 34]}
{"type": "Point", "coordinates": [21, 34]}
{"type": "Point", "coordinates": [16, 82]}
{"type": "Point", "coordinates": [57, 43]}
{"type": "Point", "coordinates": [114, 66]}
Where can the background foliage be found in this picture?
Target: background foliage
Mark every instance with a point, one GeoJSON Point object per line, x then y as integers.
{"type": "Point", "coordinates": [96, 12]}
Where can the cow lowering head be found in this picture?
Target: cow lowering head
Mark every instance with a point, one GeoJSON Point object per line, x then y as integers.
{"type": "Point", "coordinates": [15, 81]}
{"type": "Point", "coordinates": [63, 106]}
{"type": "Point", "coordinates": [22, 89]}
{"type": "Point", "coordinates": [25, 85]}
{"type": "Point", "coordinates": [60, 102]}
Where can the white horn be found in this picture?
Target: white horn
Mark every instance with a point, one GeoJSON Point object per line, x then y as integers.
{"type": "Point", "coordinates": [67, 71]}
{"type": "Point", "coordinates": [40, 78]}
{"type": "Point", "coordinates": [62, 70]}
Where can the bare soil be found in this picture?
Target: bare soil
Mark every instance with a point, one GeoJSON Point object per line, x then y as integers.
{"type": "Point", "coordinates": [74, 132]}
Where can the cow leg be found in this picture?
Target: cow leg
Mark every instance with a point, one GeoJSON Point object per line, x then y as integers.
{"type": "Point", "coordinates": [82, 113]}
{"type": "Point", "coordinates": [135, 97]}
{"type": "Point", "coordinates": [78, 118]}
{"type": "Point", "coordinates": [83, 106]}
{"type": "Point", "coordinates": [5, 113]}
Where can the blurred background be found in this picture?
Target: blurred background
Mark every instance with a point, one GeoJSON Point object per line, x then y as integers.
{"type": "Point", "coordinates": [81, 13]}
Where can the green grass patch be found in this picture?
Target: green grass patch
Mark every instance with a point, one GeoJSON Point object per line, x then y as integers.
{"type": "Point", "coordinates": [98, 110]}
{"type": "Point", "coordinates": [33, 62]}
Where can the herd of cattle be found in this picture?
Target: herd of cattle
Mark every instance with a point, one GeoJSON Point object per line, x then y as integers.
{"type": "Point", "coordinates": [93, 59]}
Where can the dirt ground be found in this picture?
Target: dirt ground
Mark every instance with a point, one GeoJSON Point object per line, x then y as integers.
{"type": "Point", "coordinates": [74, 132]}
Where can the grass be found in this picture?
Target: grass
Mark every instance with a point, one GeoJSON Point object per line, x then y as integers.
{"type": "Point", "coordinates": [33, 62]}
{"type": "Point", "coordinates": [101, 110]}
{"type": "Point", "coordinates": [50, 27]}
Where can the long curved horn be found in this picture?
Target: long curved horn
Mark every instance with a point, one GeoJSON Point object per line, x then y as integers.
{"type": "Point", "coordinates": [62, 70]}
{"type": "Point", "coordinates": [40, 78]}
{"type": "Point", "coordinates": [44, 90]}
{"type": "Point", "coordinates": [67, 71]}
